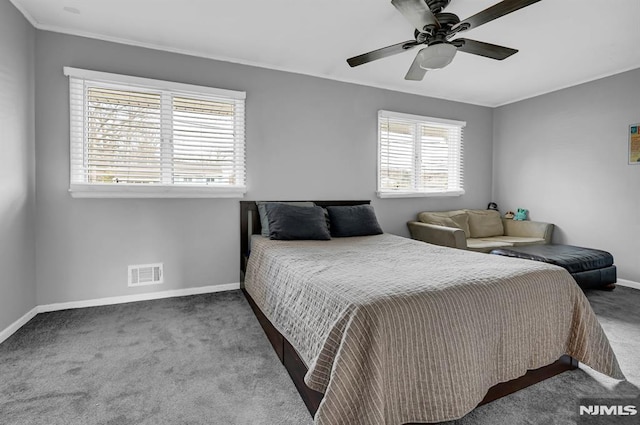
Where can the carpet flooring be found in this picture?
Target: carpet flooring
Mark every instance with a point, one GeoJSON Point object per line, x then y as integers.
{"type": "Point", "coordinates": [204, 359]}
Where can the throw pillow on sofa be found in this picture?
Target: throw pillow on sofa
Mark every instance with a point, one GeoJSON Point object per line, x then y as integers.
{"type": "Point", "coordinates": [485, 223]}
{"type": "Point", "coordinates": [455, 219]}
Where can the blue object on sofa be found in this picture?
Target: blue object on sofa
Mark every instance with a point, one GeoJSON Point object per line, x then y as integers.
{"type": "Point", "coordinates": [521, 214]}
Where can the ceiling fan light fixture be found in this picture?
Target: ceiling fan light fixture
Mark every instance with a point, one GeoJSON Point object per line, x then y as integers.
{"type": "Point", "coordinates": [437, 56]}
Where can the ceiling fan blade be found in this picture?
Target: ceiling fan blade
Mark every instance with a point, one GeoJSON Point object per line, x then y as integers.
{"type": "Point", "coordinates": [381, 53]}
{"type": "Point", "coordinates": [487, 50]}
{"type": "Point", "coordinates": [494, 12]}
{"type": "Point", "coordinates": [416, 73]}
{"type": "Point", "coordinates": [417, 13]}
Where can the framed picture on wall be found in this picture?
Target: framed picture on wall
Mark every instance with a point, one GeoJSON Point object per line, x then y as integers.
{"type": "Point", "coordinates": [634, 144]}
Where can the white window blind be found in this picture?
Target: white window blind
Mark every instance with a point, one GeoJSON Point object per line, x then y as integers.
{"type": "Point", "coordinates": [136, 137]}
{"type": "Point", "coordinates": [419, 156]}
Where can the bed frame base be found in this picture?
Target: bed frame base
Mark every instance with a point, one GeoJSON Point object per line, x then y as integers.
{"type": "Point", "coordinates": [297, 369]}
{"type": "Point", "coordinates": [289, 358]}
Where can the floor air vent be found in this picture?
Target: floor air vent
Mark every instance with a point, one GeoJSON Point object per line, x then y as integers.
{"type": "Point", "coordinates": [146, 274]}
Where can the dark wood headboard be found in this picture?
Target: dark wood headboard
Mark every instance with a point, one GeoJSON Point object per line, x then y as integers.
{"type": "Point", "coordinates": [250, 224]}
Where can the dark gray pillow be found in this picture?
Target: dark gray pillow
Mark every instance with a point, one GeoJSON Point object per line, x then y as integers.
{"type": "Point", "coordinates": [264, 220]}
{"type": "Point", "coordinates": [357, 220]}
{"type": "Point", "coordinates": [292, 222]}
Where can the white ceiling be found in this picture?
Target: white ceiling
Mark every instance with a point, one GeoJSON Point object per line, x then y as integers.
{"type": "Point", "coordinates": [562, 42]}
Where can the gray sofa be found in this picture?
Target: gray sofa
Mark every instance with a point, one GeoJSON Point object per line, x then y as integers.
{"type": "Point", "coordinates": [477, 230]}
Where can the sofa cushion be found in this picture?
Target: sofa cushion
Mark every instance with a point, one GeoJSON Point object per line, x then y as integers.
{"type": "Point", "coordinates": [516, 240]}
{"type": "Point", "coordinates": [455, 219]}
{"type": "Point", "coordinates": [485, 223]}
{"type": "Point", "coordinates": [483, 245]}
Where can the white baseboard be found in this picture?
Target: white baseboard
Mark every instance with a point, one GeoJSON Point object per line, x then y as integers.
{"type": "Point", "coordinates": [6, 333]}
{"type": "Point", "coordinates": [628, 283]}
{"type": "Point", "coordinates": [12, 328]}
{"type": "Point", "coordinates": [138, 297]}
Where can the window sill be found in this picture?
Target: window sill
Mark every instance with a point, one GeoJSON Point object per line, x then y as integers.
{"type": "Point", "coordinates": [145, 191]}
{"type": "Point", "coordinates": [419, 194]}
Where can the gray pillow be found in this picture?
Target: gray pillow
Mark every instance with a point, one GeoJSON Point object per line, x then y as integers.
{"type": "Point", "coordinates": [357, 220]}
{"type": "Point", "coordinates": [293, 222]}
{"type": "Point", "coordinates": [264, 220]}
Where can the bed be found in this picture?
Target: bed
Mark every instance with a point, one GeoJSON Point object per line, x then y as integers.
{"type": "Point", "coordinates": [387, 330]}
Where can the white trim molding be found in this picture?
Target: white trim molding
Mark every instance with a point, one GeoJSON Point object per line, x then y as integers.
{"type": "Point", "coordinates": [148, 296]}
{"type": "Point", "coordinates": [628, 283]}
{"type": "Point", "coordinates": [419, 118]}
{"type": "Point", "coordinates": [97, 190]}
{"type": "Point", "coordinates": [391, 194]}
{"type": "Point", "coordinates": [13, 328]}
{"type": "Point", "coordinates": [87, 74]}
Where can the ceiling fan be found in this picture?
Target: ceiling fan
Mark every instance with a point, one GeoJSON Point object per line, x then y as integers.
{"type": "Point", "coordinates": [434, 28]}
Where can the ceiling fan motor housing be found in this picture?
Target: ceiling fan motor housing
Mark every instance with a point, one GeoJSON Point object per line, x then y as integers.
{"type": "Point", "coordinates": [447, 19]}
{"type": "Point", "coordinates": [437, 35]}
{"type": "Point", "coordinates": [436, 6]}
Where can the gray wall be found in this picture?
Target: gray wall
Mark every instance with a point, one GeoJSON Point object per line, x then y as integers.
{"type": "Point", "coordinates": [564, 157]}
{"type": "Point", "coordinates": [17, 166]}
{"type": "Point", "coordinates": [307, 138]}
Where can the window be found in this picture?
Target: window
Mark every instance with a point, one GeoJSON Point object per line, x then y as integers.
{"type": "Point", "coordinates": [419, 156]}
{"type": "Point", "coordinates": [136, 137]}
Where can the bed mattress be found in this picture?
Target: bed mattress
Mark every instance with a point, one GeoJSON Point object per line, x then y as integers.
{"type": "Point", "coordinates": [395, 331]}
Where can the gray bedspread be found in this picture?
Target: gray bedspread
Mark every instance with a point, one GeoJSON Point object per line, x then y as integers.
{"type": "Point", "coordinates": [396, 331]}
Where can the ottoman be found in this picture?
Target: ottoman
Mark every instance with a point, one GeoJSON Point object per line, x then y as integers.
{"type": "Point", "coordinates": [591, 268]}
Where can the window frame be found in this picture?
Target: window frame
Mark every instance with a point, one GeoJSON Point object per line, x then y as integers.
{"type": "Point", "coordinates": [77, 140]}
{"type": "Point", "coordinates": [416, 159]}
